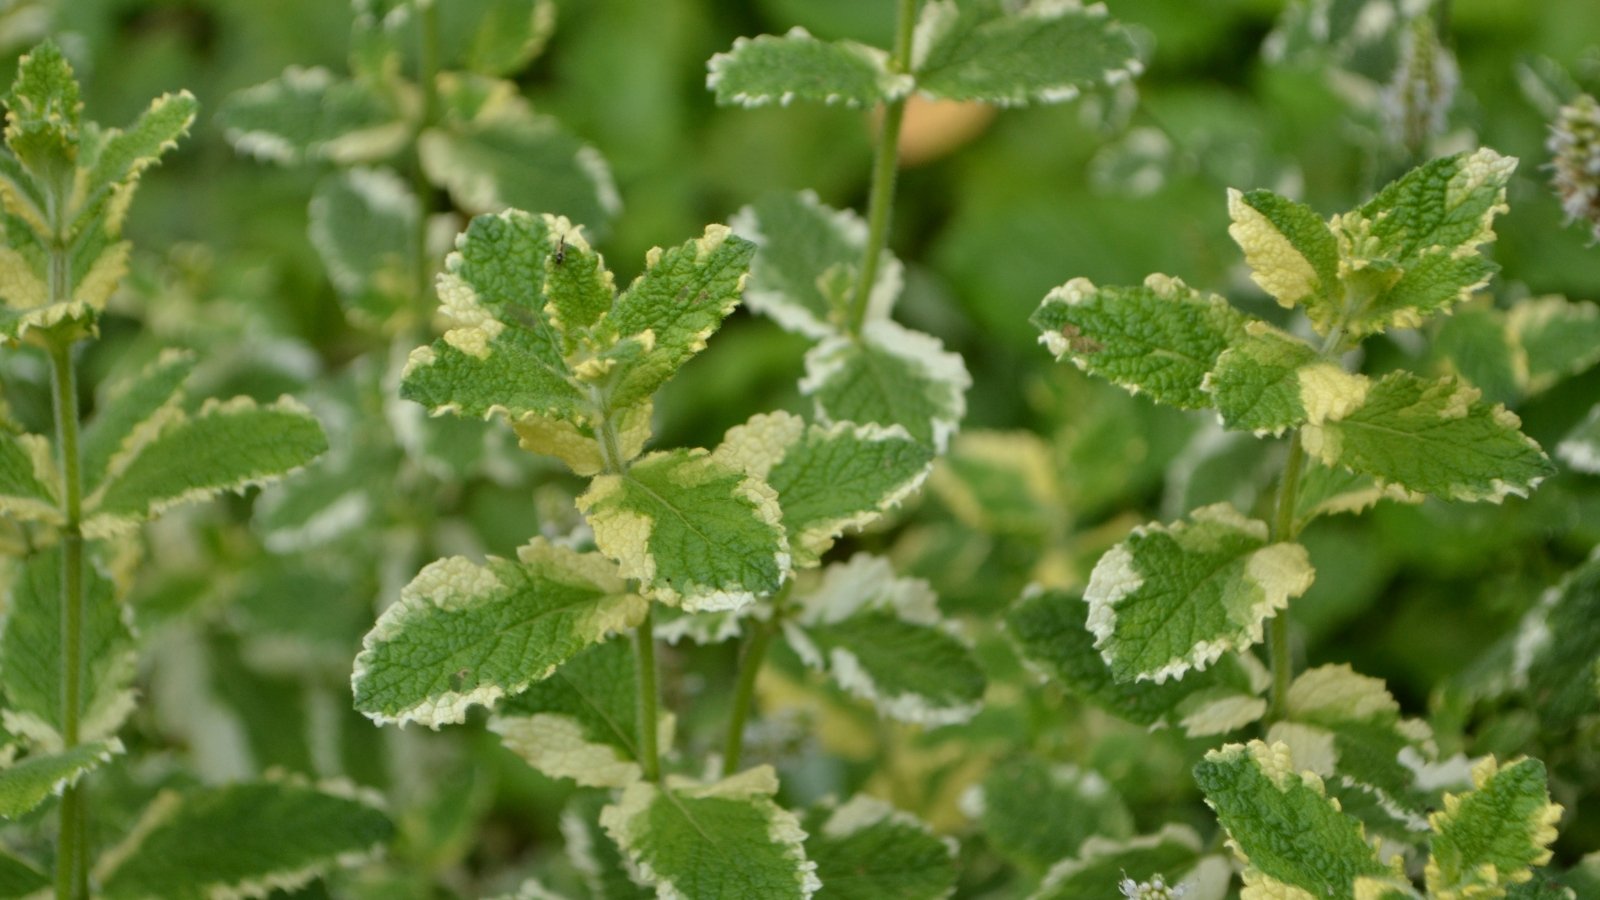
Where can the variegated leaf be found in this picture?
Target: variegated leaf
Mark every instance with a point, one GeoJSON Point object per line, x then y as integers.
{"type": "Point", "coordinates": [889, 375]}
{"type": "Point", "coordinates": [26, 784]}
{"type": "Point", "coordinates": [1491, 837]}
{"type": "Point", "coordinates": [866, 849]}
{"type": "Point", "coordinates": [310, 114]}
{"type": "Point", "coordinates": [770, 69]}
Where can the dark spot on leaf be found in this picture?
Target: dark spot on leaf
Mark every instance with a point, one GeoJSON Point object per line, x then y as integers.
{"type": "Point", "coordinates": [1077, 342]}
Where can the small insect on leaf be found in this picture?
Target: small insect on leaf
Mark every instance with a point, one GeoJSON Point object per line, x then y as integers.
{"type": "Point", "coordinates": [561, 250]}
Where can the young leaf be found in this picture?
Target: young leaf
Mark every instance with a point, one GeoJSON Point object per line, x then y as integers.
{"type": "Point", "coordinates": [241, 840]}
{"type": "Point", "coordinates": [720, 841]}
{"type": "Point", "coordinates": [1580, 449]}
{"type": "Point", "coordinates": [1050, 628]}
{"type": "Point", "coordinates": [464, 635]}
{"type": "Point", "coordinates": [1411, 251]}
{"type": "Point", "coordinates": [363, 225]}
{"type": "Point", "coordinates": [889, 375]}
{"type": "Point", "coordinates": [769, 69]}
{"type": "Point", "coordinates": [494, 152]}
{"type": "Point", "coordinates": [43, 113]}
{"type": "Point", "coordinates": [1172, 598]}
{"type": "Point", "coordinates": [1037, 814]}
{"type": "Point", "coordinates": [1292, 254]}
{"type": "Point", "coordinates": [1172, 856]}
{"type": "Point", "coordinates": [306, 115]}
{"type": "Point", "coordinates": [693, 529]}
{"type": "Point", "coordinates": [883, 640]}
{"type": "Point", "coordinates": [1044, 52]}
{"type": "Point", "coordinates": [27, 479]}
{"type": "Point", "coordinates": [829, 480]}
{"type": "Point", "coordinates": [132, 413]}
{"type": "Point", "coordinates": [494, 37]}
{"type": "Point", "coordinates": [124, 155]}
{"type": "Point", "coordinates": [1160, 338]}
{"type": "Point", "coordinates": [799, 241]}
{"type": "Point", "coordinates": [31, 648]}
{"type": "Point", "coordinates": [25, 785]}
{"type": "Point", "coordinates": [1271, 382]}
{"type": "Point", "coordinates": [670, 310]}
{"type": "Point", "coordinates": [1492, 836]}
{"type": "Point", "coordinates": [1284, 827]}
{"type": "Point", "coordinates": [226, 446]}
{"type": "Point", "coordinates": [582, 721]}
{"type": "Point", "coordinates": [1433, 437]}
{"type": "Point", "coordinates": [866, 849]}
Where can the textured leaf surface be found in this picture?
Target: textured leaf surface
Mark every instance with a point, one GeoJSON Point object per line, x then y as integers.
{"type": "Point", "coordinates": [464, 634]}
{"type": "Point", "coordinates": [309, 114]}
{"type": "Point", "coordinates": [30, 655]}
{"type": "Point", "coordinates": [1271, 382]}
{"type": "Point", "coordinates": [828, 479]}
{"type": "Point", "coordinates": [124, 154]}
{"type": "Point", "coordinates": [1050, 627]}
{"type": "Point", "coordinates": [881, 638]}
{"type": "Point", "coordinates": [1037, 814]}
{"type": "Point", "coordinates": [1283, 826]}
{"type": "Point", "coordinates": [805, 250]}
{"type": "Point", "coordinates": [1434, 437]}
{"type": "Point", "coordinates": [582, 721]}
{"type": "Point", "coordinates": [866, 849]}
{"type": "Point", "coordinates": [1292, 254]}
{"type": "Point", "coordinates": [1105, 863]}
{"type": "Point", "coordinates": [721, 841]}
{"type": "Point", "coordinates": [1492, 836]}
{"type": "Point", "coordinates": [770, 69]}
{"type": "Point", "coordinates": [1172, 598]}
{"type": "Point", "coordinates": [241, 840]}
{"type": "Point", "coordinates": [694, 530]}
{"type": "Point", "coordinates": [1043, 52]}
{"type": "Point", "coordinates": [890, 375]}
{"type": "Point", "coordinates": [1160, 338]}
{"type": "Point", "coordinates": [26, 784]}
{"type": "Point", "coordinates": [363, 225]}
{"type": "Point", "coordinates": [26, 484]}
{"type": "Point", "coordinates": [43, 109]}
{"type": "Point", "coordinates": [224, 447]}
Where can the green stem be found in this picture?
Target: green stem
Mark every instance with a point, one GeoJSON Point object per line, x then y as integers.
{"type": "Point", "coordinates": [644, 647]}
{"type": "Point", "coordinates": [885, 165]}
{"type": "Point", "coordinates": [744, 695]}
{"type": "Point", "coordinates": [428, 82]}
{"type": "Point", "coordinates": [71, 855]}
{"type": "Point", "coordinates": [1283, 530]}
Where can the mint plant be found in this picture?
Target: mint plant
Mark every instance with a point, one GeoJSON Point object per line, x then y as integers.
{"type": "Point", "coordinates": [74, 508]}
{"type": "Point", "coordinates": [1169, 614]}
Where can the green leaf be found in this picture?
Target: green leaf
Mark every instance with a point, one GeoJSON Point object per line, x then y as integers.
{"type": "Point", "coordinates": [27, 479]}
{"type": "Point", "coordinates": [1558, 339]}
{"type": "Point", "coordinates": [1271, 382]}
{"type": "Point", "coordinates": [1175, 597]}
{"type": "Point", "coordinates": [1050, 628]}
{"type": "Point", "coordinates": [495, 152]}
{"type": "Point", "coordinates": [592, 851]}
{"type": "Point", "coordinates": [1292, 254]}
{"type": "Point", "coordinates": [464, 634]}
{"type": "Point", "coordinates": [1434, 437]}
{"type": "Point", "coordinates": [132, 412]}
{"type": "Point", "coordinates": [20, 878]}
{"type": "Point", "coordinates": [364, 225]}
{"type": "Point", "coordinates": [1037, 814]}
{"type": "Point", "coordinates": [693, 528]}
{"type": "Point", "coordinates": [503, 353]}
{"type": "Point", "coordinates": [226, 446]}
{"type": "Point", "coordinates": [883, 640]}
{"type": "Point", "coordinates": [828, 479]}
{"type": "Point", "coordinates": [720, 841]}
{"type": "Point", "coordinates": [1580, 449]}
{"type": "Point", "coordinates": [43, 113]}
{"type": "Point", "coordinates": [1002, 482]}
{"type": "Point", "coordinates": [1284, 827]}
{"type": "Point", "coordinates": [306, 115]}
{"type": "Point", "coordinates": [30, 655]}
{"type": "Point", "coordinates": [242, 840]}
{"type": "Point", "coordinates": [1412, 250]}
{"type": "Point", "coordinates": [1043, 52]}
{"type": "Point", "coordinates": [1475, 343]}
{"type": "Point", "coordinates": [1170, 857]}
{"type": "Point", "coordinates": [25, 785]}
{"type": "Point", "coordinates": [669, 311]}
{"type": "Point", "coordinates": [582, 721]}
{"type": "Point", "coordinates": [1556, 646]}
{"type": "Point", "coordinates": [1160, 338]}
{"type": "Point", "coordinates": [1328, 490]}
{"type": "Point", "coordinates": [866, 849]}
{"type": "Point", "coordinates": [770, 69]}
{"type": "Point", "coordinates": [889, 375]}
{"type": "Point", "coordinates": [124, 155]}
{"type": "Point", "coordinates": [494, 37]}
{"type": "Point", "coordinates": [804, 249]}
{"type": "Point", "coordinates": [1492, 836]}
